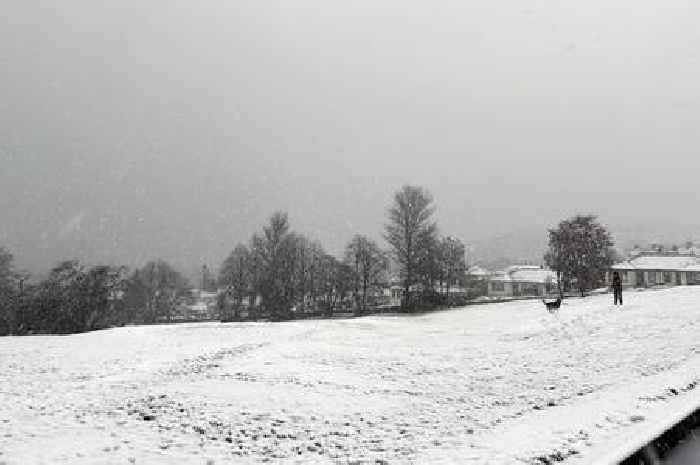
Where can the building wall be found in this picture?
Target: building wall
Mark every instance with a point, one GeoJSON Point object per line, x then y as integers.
{"type": "Point", "coordinates": [500, 289]}
{"type": "Point", "coordinates": [629, 278]}
{"type": "Point", "coordinates": [650, 278]}
{"type": "Point", "coordinates": [694, 277]}
{"type": "Point", "coordinates": [507, 289]}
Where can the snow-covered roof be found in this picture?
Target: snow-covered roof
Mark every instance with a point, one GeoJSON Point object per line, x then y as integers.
{"type": "Point", "coordinates": [526, 274]}
{"type": "Point", "coordinates": [693, 250]}
{"type": "Point", "coordinates": [478, 271]}
{"type": "Point", "coordinates": [671, 262]}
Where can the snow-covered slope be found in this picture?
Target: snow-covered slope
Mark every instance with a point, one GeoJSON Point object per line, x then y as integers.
{"type": "Point", "coordinates": [498, 383]}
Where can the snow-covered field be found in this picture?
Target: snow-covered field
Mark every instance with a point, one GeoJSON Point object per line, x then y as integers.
{"type": "Point", "coordinates": [499, 383]}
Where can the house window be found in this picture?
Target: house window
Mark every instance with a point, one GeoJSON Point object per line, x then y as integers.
{"type": "Point", "coordinates": [625, 276]}
{"type": "Point", "coordinates": [516, 289]}
{"type": "Point", "coordinates": [530, 289]}
{"type": "Point", "coordinates": [652, 277]}
{"type": "Point", "coordinates": [497, 286]}
{"type": "Point", "coordinates": [679, 277]}
{"type": "Point", "coordinates": [693, 278]}
{"type": "Point", "coordinates": [667, 277]}
{"type": "Point", "coordinates": [640, 279]}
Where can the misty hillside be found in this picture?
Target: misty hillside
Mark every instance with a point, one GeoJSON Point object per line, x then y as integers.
{"type": "Point", "coordinates": [518, 247]}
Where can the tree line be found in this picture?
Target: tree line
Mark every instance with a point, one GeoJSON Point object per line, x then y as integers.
{"type": "Point", "coordinates": [278, 274]}
{"type": "Point", "coordinates": [282, 274]}
{"type": "Point", "coordinates": [76, 298]}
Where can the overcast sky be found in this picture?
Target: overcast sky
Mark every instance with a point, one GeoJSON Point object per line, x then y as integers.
{"type": "Point", "coordinates": [132, 130]}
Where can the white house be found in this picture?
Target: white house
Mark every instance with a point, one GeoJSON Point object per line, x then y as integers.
{"type": "Point", "coordinates": [649, 269]}
{"type": "Point", "coordinates": [522, 281]}
{"type": "Point", "coordinates": [392, 294]}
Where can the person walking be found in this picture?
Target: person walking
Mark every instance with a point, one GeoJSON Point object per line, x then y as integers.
{"type": "Point", "coordinates": [617, 287]}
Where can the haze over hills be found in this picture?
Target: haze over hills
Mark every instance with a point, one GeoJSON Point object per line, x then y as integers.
{"type": "Point", "coordinates": [139, 130]}
{"type": "Point", "coordinates": [527, 246]}
{"type": "Point", "coordinates": [520, 246]}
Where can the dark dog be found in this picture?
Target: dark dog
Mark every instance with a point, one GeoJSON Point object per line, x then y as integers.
{"type": "Point", "coordinates": [552, 306]}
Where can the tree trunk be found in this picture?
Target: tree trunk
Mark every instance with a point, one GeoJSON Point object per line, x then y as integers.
{"type": "Point", "coordinates": [559, 285]}
{"type": "Point", "coordinates": [365, 285]}
{"type": "Point", "coordinates": [447, 298]}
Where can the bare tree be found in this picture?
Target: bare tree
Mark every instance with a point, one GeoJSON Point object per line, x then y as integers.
{"type": "Point", "coordinates": [274, 250]}
{"type": "Point", "coordinates": [159, 286]}
{"type": "Point", "coordinates": [7, 292]}
{"type": "Point", "coordinates": [291, 271]}
{"type": "Point", "coordinates": [316, 275]}
{"type": "Point", "coordinates": [235, 275]}
{"type": "Point", "coordinates": [367, 264]}
{"type": "Point", "coordinates": [409, 231]}
{"type": "Point", "coordinates": [429, 268]}
{"type": "Point", "coordinates": [453, 263]}
{"type": "Point", "coordinates": [6, 268]}
{"type": "Point", "coordinates": [333, 283]}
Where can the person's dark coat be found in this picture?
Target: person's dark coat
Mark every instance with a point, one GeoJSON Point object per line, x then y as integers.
{"type": "Point", "coordinates": [616, 281]}
{"type": "Point", "coordinates": [617, 288]}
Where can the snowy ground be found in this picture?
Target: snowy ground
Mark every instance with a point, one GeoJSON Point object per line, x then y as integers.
{"type": "Point", "coordinates": [499, 383]}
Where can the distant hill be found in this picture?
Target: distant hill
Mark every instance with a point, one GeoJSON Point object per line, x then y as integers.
{"type": "Point", "coordinates": [515, 248]}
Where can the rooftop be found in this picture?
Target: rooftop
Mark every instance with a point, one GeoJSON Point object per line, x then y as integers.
{"type": "Point", "coordinates": [672, 261]}
{"type": "Point", "coordinates": [478, 271]}
{"type": "Point", "coordinates": [529, 274]}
